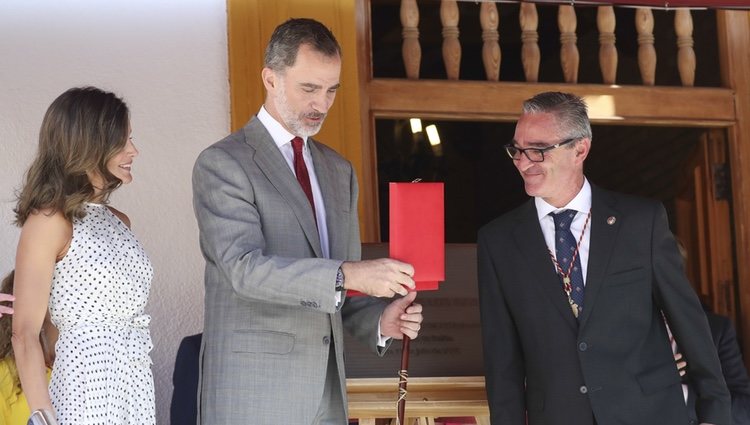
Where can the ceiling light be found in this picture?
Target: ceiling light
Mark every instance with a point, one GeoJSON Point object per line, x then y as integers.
{"type": "Point", "coordinates": [416, 125]}
{"type": "Point", "coordinates": [432, 135]}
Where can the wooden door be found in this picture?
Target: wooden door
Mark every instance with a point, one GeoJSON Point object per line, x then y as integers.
{"type": "Point", "coordinates": [703, 224]}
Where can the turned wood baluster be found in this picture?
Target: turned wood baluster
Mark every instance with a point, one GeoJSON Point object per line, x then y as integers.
{"type": "Point", "coordinates": [644, 24]}
{"type": "Point", "coordinates": [491, 55]}
{"type": "Point", "coordinates": [411, 50]}
{"type": "Point", "coordinates": [530, 56]}
{"type": "Point", "coordinates": [451, 46]}
{"type": "Point", "coordinates": [605, 20]}
{"type": "Point", "coordinates": [683, 27]}
{"type": "Point", "coordinates": [566, 21]}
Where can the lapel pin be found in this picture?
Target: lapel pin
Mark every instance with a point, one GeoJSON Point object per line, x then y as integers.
{"type": "Point", "coordinates": [611, 220]}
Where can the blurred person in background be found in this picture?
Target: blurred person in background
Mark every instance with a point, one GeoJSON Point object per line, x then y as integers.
{"type": "Point", "coordinates": [13, 407]}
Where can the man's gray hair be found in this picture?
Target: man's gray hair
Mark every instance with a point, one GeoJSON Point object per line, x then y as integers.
{"type": "Point", "coordinates": [570, 111]}
{"type": "Point", "coordinates": [287, 38]}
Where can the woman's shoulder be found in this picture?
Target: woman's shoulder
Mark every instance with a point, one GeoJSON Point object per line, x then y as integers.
{"type": "Point", "coordinates": [45, 234]}
{"type": "Point", "coordinates": [48, 223]}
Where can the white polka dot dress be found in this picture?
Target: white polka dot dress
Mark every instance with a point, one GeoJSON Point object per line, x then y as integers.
{"type": "Point", "coordinates": [102, 371]}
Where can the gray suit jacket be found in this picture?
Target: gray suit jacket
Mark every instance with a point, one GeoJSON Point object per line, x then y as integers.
{"type": "Point", "coordinates": [270, 313]}
{"type": "Point", "coordinates": [615, 366]}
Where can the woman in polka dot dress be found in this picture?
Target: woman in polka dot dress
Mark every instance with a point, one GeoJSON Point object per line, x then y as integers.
{"type": "Point", "coordinates": [77, 256]}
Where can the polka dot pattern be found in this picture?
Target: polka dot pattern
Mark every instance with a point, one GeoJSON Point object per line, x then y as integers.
{"type": "Point", "coordinates": [102, 371]}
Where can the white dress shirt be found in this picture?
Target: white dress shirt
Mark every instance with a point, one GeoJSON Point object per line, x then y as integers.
{"type": "Point", "coordinates": [581, 203]}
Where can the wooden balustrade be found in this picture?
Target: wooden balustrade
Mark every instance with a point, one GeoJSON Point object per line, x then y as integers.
{"type": "Point", "coordinates": [373, 400]}
{"type": "Point", "coordinates": [489, 19]}
{"type": "Point", "coordinates": [683, 27]}
{"type": "Point", "coordinates": [451, 46]}
{"type": "Point", "coordinates": [491, 55]}
{"type": "Point", "coordinates": [569, 58]}
{"type": "Point", "coordinates": [605, 22]}
{"type": "Point", "coordinates": [530, 56]}
{"type": "Point", "coordinates": [644, 24]}
{"type": "Point", "coordinates": [411, 50]}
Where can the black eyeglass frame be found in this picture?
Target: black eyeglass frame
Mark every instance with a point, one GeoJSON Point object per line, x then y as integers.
{"type": "Point", "coordinates": [541, 151]}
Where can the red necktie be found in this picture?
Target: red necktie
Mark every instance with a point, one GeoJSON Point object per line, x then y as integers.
{"type": "Point", "coordinates": [300, 169]}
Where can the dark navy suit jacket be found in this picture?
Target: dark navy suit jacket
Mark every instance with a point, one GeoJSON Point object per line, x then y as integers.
{"type": "Point", "coordinates": [183, 410]}
{"type": "Point", "coordinates": [732, 367]}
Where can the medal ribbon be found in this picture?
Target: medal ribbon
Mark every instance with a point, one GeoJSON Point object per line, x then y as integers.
{"type": "Point", "coordinates": [565, 275]}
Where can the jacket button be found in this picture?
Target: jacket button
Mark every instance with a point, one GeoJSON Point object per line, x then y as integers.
{"type": "Point", "coordinates": [583, 346]}
{"type": "Point", "coordinates": [583, 389]}
{"type": "Point", "coordinates": [326, 340]}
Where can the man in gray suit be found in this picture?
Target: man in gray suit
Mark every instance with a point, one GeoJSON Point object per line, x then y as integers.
{"type": "Point", "coordinates": [574, 286]}
{"type": "Point", "coordinates": [279, 230]}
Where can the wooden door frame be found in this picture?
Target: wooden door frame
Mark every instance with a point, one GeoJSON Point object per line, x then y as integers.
{"type": "Point", "coordinates": [734, 55]}
{"type": "Point", "coordinates": [703, 223]}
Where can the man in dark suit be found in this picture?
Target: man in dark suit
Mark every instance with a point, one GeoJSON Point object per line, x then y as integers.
{"type": "Point", "coordinates": [184, 407]}
{"type": "Point", "coordinates": [277, 213]}
{"type": "Point", "coordinates": [732, 366]}
{"type": "Point", "coordinates": [730, 359]}
{"type": "Point", "coordinates": [572, 285]}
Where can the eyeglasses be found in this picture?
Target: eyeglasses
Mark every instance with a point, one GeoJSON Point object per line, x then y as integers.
{"type": "Point", "coordinates": [534, 154]}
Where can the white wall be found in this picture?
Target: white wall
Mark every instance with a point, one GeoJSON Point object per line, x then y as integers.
{"type": "Point", "coordinates": [168, 59]}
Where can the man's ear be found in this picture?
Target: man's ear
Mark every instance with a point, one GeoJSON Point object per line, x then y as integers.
{"type": "Point", "coordinates": [269, 79]}
{"type": "Point", "coordinates": [583, 147]}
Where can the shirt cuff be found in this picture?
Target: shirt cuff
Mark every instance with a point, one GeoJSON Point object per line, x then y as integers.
{"type": "Point", "coordinates": [382, 340]}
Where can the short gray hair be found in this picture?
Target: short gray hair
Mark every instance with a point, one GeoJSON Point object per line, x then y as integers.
{"type": "Point", "coordinates": [287, 38]}
{"type": "Point", "coordinates": [570, 111]}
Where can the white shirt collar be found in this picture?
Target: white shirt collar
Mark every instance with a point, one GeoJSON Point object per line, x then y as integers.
{"type": "Point", "coordinates": [581, 202]}
{"type": "Point", "coordinates": [277, 131]}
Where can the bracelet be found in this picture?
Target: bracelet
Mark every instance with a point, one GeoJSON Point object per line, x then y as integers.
{"type": "Point", "coordinates": [42, 417]}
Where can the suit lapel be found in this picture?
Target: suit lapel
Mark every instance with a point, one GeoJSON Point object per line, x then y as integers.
{"type": "Point", "coordinates": [530, 241]}
{"type": "Point", "coordinates": [603, 236]}
{"type": "Point", "coordinates": [272, 163]}
{"type": "Point", "coordinates": [331, 189]}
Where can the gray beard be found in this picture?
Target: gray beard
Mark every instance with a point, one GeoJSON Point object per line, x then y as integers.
{"type": "Point", "coordinates": [295, 123]}
{"type": "Point", "coordinates": [299, 129]}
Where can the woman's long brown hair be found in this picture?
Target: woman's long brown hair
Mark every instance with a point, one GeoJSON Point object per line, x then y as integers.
{"type": "Point", "coordinates": [82, 130]}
